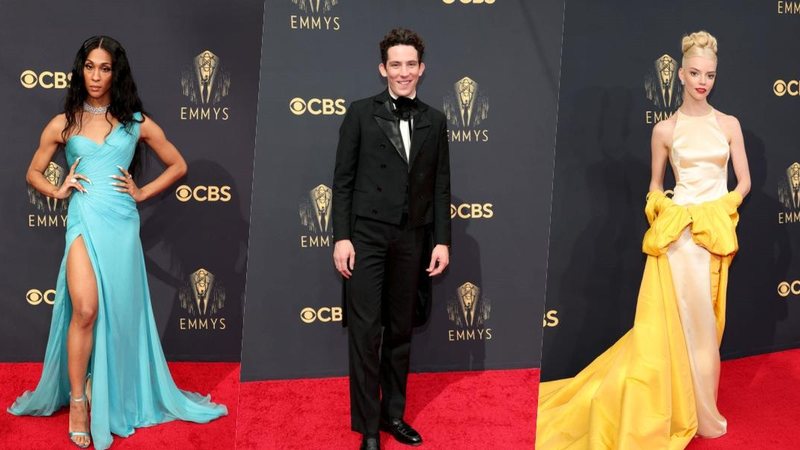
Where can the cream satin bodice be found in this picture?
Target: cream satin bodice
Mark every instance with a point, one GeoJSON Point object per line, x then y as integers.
{"type": "Point", "coordinates": [699, 159]}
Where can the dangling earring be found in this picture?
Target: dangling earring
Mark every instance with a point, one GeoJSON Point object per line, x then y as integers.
{"type": "Point", "coordinates": [682, 83]}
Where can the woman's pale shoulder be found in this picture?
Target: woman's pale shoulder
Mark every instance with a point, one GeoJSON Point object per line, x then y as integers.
{"type": "Point", "coordinates": [664, 128]}
{"type": "Point", "coordinates": [727, 120]}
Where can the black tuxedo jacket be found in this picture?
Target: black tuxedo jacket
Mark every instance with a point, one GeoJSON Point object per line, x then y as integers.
{"type": "Point", "coordinates": [373, 179]}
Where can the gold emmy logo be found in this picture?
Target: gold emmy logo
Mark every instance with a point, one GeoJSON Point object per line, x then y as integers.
{"type": "Point", "coordinates": [45, 79]}
{"type": "Point", "coordinates": [465, 110]}
{"type": "Point", "coordinates": [469, 294]}
{"type": "Point", "coordinates": [315, 6]}
{"type": "Point", "coordinates": [789, 189]}
{"type": "Point", "coordinates": [202, 299]}
{"type": "Point", "coordinates": [205, 83]}
{"type": "Point", "coordinates": [789, 195]}
{"type": "Point", "coordinates": [316, 15]}
{"type": "Point", "coordinates": [315, 216]}
{"type": "Point", "coordinates": [662, 87]}
{"type": "Point", "coordinates": [52, 211]}
{"type": "Point", "coordinates": [54, 174]}
{"type": "Point", "coordinates": [469, 310]}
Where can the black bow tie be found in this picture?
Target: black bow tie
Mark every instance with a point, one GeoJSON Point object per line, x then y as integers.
{"type": "Point", "coordinates": [405, 107]}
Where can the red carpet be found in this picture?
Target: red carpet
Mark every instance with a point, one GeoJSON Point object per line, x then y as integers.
{"type": "Point", "coordinates": [50, 433]}
{"type": "Point", "coordinates": [759, 395]}
{"type": "Point", "coordinates": [455, 410]}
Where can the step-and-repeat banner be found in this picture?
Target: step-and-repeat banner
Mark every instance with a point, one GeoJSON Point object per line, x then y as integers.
{"type": "Point", "coordinates": [619, 78]}
{"type": "Point", "coordinates": [196, 64]}
{"type": "Point", "coordinates": [492, 67]}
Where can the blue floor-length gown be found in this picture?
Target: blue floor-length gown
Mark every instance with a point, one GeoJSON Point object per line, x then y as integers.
{"type": "Point", "coordinates": [131, 383]}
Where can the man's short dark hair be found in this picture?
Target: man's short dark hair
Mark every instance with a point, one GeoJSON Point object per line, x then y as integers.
{"type": "Point", "coordinates": [401, 36]}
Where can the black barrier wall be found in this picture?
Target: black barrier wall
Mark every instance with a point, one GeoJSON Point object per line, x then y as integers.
{"type": "Point", "coordinates": [195, 234]}
{"type": "Point", "coordinates": [611, 96]}
{"type": "Point", "coordinates": [318, 57]}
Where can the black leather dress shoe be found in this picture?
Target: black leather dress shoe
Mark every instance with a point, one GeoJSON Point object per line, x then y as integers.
{"type": "Point", "coordinates": [370, 443]}
{"type": "Point", "coordinates": [401, 431]}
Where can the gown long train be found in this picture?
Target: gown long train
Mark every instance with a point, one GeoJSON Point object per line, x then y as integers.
{"type": "Point", "coordinates": [131, 383]}
{"type": "Point", "coordinates": [656, 387]}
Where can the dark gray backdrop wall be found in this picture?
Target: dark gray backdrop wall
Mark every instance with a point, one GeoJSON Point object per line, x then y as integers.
{"type": "Point", "coordinates": [610, 98]}
{"type": "Point", "coordinates": [194, 234]}
{"type": "Point", "coordinates": [317, 57]}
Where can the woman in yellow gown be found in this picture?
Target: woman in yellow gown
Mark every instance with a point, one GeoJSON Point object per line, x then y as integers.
{"type": "Point", "coordinates": [656, 387]}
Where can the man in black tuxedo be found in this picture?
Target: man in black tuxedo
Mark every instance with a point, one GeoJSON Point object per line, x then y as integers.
{"type": "Point", "coordinates": [391, 225]}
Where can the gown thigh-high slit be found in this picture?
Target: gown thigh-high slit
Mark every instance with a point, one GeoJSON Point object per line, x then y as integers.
{"type": "Point", "coordinates": [81, 281]}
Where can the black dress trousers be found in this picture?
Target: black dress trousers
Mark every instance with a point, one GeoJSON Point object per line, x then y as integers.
{"type": "Point", "coordinates": [380, 305]}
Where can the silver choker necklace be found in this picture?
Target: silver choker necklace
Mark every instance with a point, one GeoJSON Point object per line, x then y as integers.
{"type": "Point", "coordinates": [95, 109]}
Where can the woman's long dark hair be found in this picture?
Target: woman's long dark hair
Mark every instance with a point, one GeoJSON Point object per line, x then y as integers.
{"type": "Point", "coordinates": [125, 99]}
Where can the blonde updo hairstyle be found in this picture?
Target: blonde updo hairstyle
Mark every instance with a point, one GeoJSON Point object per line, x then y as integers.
{"type": "Point", "coordinates": [699, 43]}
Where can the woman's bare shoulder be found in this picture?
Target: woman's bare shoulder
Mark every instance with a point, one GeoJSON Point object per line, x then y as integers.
{"type": "Point", "coordinates": [59, 121]}
{"type": "Point", "coordinates": [663, 130]}
{"type": "Point", "coordinates": [728, 120]}
{"type": "Point", "coordinates": [54, 128]}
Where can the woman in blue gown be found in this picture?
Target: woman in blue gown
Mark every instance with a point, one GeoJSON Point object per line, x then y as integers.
{"type": "Point", "coordinates": [103, 356]}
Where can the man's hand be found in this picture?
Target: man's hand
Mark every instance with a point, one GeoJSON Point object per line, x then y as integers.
{"type": "Point", "coordinates": [440, 258]}
{"type": "Point", "coordinates": [344, 257]}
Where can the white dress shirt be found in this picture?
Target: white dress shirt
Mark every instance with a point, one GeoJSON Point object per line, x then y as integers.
{"type": "Point", "coordinates": [405, 129]}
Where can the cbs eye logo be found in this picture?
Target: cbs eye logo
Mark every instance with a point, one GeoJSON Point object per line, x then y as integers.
{"type": "Point", "coordinates": [324, 314]}
{"type": "Point", "coordinates": [791, 87]}
{"type": "Point", "coordinates": [45, 79]}
{"type": "Point", "coordinates": [317, 106]}
{"type": "Point", "coordinates": [467, 2]}
{"type": "Point", "coordinates": [472, 211]}
{"type": "Point", "coordinates": [202, 193]}
{"type": "Point", "coordinates": [785, 288]}
{"type": "Point", "coordinates": [36, 297]}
